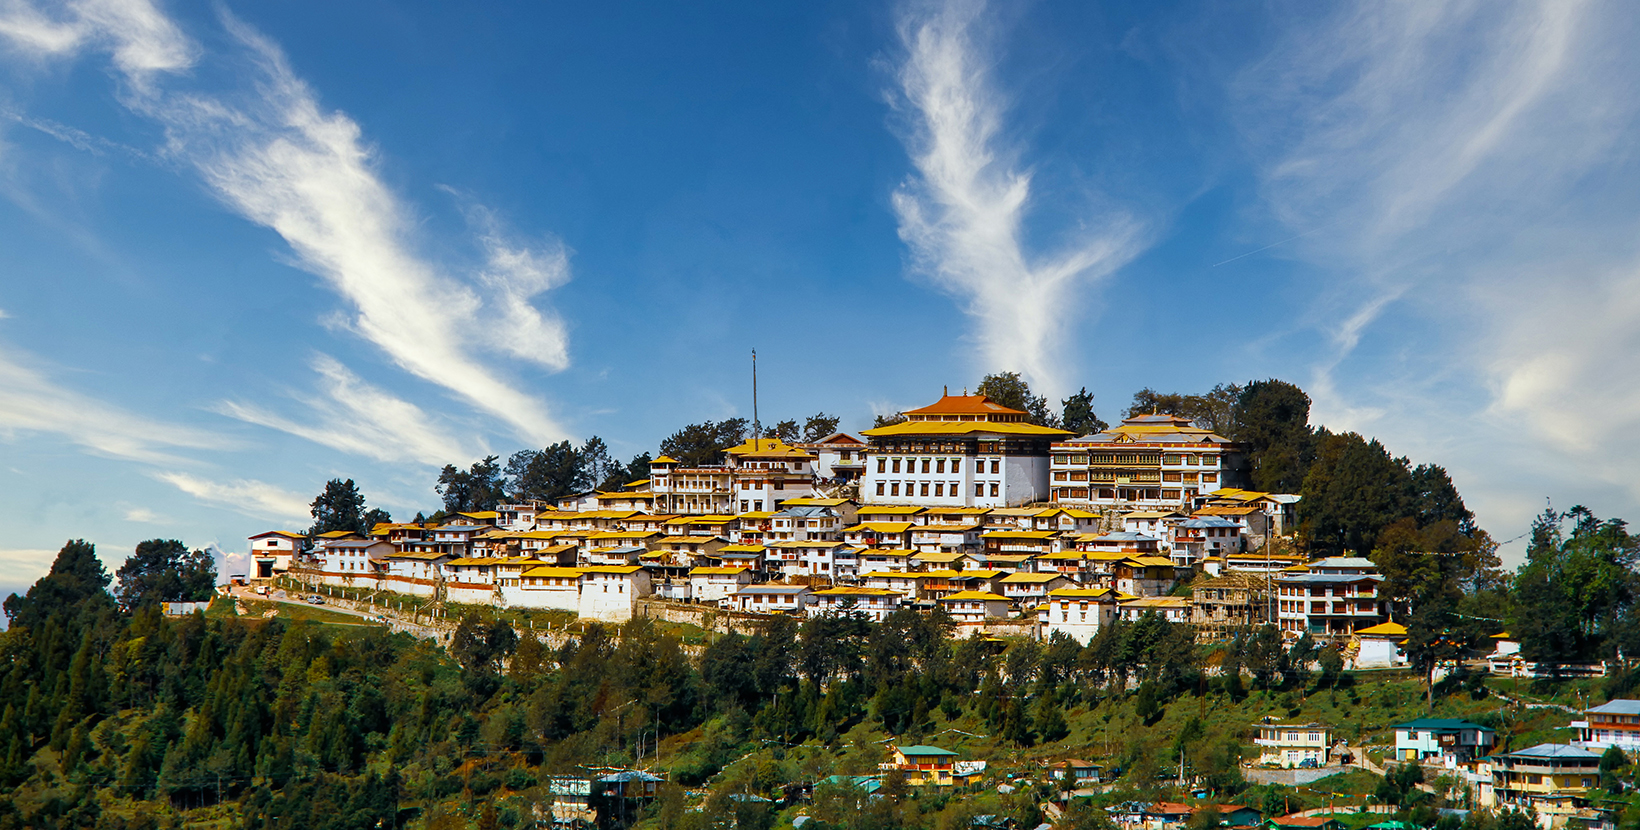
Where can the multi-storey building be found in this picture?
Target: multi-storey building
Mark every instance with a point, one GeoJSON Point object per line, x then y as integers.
{"type": "Point", "coordinates": [961, 451]}
{"type": "Point", "coordinates": [1149, 461]}
{"type": "Point", "coordinates": [1616, 723]}
{"type": "Point", "coordinates": [1551, 780]}
{"type": "Point", "coordinates": [690, 490]}
{"type": "Point", "coordinates": [1333, 596]}
{"type": "Point", "coordinates": [758, 475]}
{"type": "Point", "coordinates": [273, 552]}
{"type": "Point", "coordinates": [839, 458]}
{"type": "Point", "coordinates": [1294, 744]}
{"type": "Point", "coordinates": [1231, 601]}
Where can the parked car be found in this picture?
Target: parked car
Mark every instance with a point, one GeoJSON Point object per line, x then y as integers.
{"type": "Point", "coordinates": [316, 600]}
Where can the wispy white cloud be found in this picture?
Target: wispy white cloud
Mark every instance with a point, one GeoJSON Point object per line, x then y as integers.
{"type": "Point", "coordinates": [22, 566]}
{"type": "Point", "coordinates": [247, 496]}
{"type": "Point", "coordinates": [963, 213]}
{"type": "Point", "coordinates": [32, 403]}
{"type": "Point", "coordinates": [1470, 161]}
{"type": "Point", "coordinates": [357, 417]}
{"type": "Point", "coordinates": [276, 156]}
{"type": "Point", "coordinates": [143, 515]}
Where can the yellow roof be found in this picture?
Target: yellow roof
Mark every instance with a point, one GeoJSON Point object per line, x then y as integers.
{"type": "Point", "coordinates": [812, 543]}
{"type": "Point", "coordinates": [1157, 602]}
{"type": "Point", "coordinates": [337, 534]}
{"type": "Point", "coordinates": [1020, 534]}
{"type": "Point", "coordinates": [846, 590]}
{"type": "Point", "coordinates": [473, 560]}
{"type": "Point", "coordinates": [896, 509]}
{"type": "Point", "coordinates": [1029, 578]}
{"type": "Point", "coordinates": [963, 428]}
{"type": "Point", "coordinates": [609, 535]}
{"type": "Point", "coordinates": [289, 535]}
{"type": "Point", "coordinates": [701, 520]}
{"type": "Point", "coordinates": [1151, 561]}
{"type": "Point", "coordinates": [612, 569]}
{"type": "Point", "coordinates": [814, 502]}
{"type": "Point", "coordinates": [1064, 554]}
{"type": "Point", "coordinates": [1388, 629]}
{"type": "Point", "coordinates": [625, 494]}
{"type": "Point", "coordinates": [944, 528]}
{"type": "Point", "coordinates": [723, 571]}
{"type": "Point", "coordinates": [548, 570]}
{"type": "Point", "coordinates": [479, 514]}
{"type": "Point", "coordinates": [881, 527]}
{"type": "Point", "coordinates": [742, 549]}
{"type": "Point", "coordinates": [664, 460]}
{"type": "Point", "coordinates": [686, 540]}
{"type": "Point", "coordinates": [1072, 593]}
{"type": "Point", "coordinates": [897, 554]}
{"type": "Point", "coordinates": [938, 557]}
{"type": "Point", "coordinates": [767, 448]}
{"type": "Point", "coordinates": [985, 595]}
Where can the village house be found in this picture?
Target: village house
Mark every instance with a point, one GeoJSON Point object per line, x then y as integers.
{"type": "Point", "coordinates": [1440, 739]}
{"type": "Point", "coordinates": [1078, 613]}
{"type": "Point", "coordinates": [945, 538]}
{"type": "Point", "coordinates": [546, 587]}
{"type": "Point", "coordinates": [1010, 562]}
{"type": "Point", "coordinates": [874, 560]}
{"type": "Point", "coordinates": [941, 561]}
{"type": "Point", "coordinates": [352, 562]}
{"type": "Point", "coordinates": [773, 598]}
{"type": "Point", "coordinates": [417, 573]}
{"type": "Point", "coordinates": [839, 458]}
{"type": "Point", "coordinates": [1144, 576]}
{"type": "Point", "coordinates": [470, 580]}
{"type": "Point", "coordinates": [1030, 542]}
{"type": "Point", "coordinates": [962, 450]}
{"type": "Point", "coordinates": [922, 765]}
{"type": "Point", "coordinates": [1199, 538]}
{"type": "Point", "coordinates": [690, 490]}
{"type": "Point", "coordinates": [847, 510]}
{"type": "Point", "coordinates": [975, 606]}
{"type": "Point", "coordinates": [1333, 596]}
{"type": "Point", "coordinates": [805, 523]}
{"type": "Point", "coordinates": [1157, 524]}
{"type": "Point", "coordinates": [1615, 723]}
{"type": "Point", "coordinates": [715, 585]}
{"type": "Point", "coordinates": [1290, 745]}
{"type": "Point", "coordinates": [874, 603]}
{"type": "Point", "coordinates": [273, 552]}
{"type": "Point", "coordinates": [763, 472]}
{"type": "Point", "coordinates": [1551, 780]}
{"type": "Point", "coordinates": [611, 592]}
{"type": "Point", "coordinates": [1172, 609]}
{"type": "Point", "coordinates": [879, 535]}
{"type": "Point", "coordinates": [1028, 590]}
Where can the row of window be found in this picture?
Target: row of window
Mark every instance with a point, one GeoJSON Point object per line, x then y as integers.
{"type": "Point", "coordinates": [892, 488]}
{"type": "Point", "coordinates": [935, 465]}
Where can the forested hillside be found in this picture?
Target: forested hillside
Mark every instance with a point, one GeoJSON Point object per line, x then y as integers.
{"type": "Point", "coordinates": [117, 716]}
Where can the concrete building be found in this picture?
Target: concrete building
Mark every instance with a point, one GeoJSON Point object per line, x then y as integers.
{"type": "Point", "coordinates": [923, 765]}
{"type": "Point", "coordinates": [714, 586]}
{"type": "Point", "coordinates": [1290, 745]}
{"type": "Point", "coordinates": [546, 587]}
{"type": "Point", "coordinates": [874, 603]}
{"type": "Point", "coordinates": [1078, 613]}
{"type": "Point", "coordinates": [273, 552]}
{"type": "Point", "coordinates": [1435, 739]}
{"type": "Point", "coordinates": [1335, 596]}
{"type": "Point", "coordinates": [773, 598]}
{"type": "Point", "coordinates": [1552, 780]}
{"type": "Point", "coordinates": [1616, 723]}
{"type": "Point", "coordinates": [975, 606]}
{"type": "Point", "coordinates": [611, 592]}
{"type": "Point", "coordinates": [961, 451]}
{"type": "Point", "coordinates": [1148, 462]}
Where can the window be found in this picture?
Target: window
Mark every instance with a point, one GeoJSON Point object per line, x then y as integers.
{"type": "Point", "coordinates": [996, 467]}
{"type": "Point", "coordinates": [939, 466]}
{"type": "Point", "coordinates": [953, 488]}
{"type": "Point", "coordinates": [894, 489]}
{"type": "Point", "coordinates": [880, 486]}
{"type": "Point", "coordinates": [939, 489]}
{"type": "Point", "coordinates": [956, 465]}
{"type": "Point", "coordinates": [979, 488]}
{"type": "Point", "coordinates": [882, 467]}
{"type": "Point", "coordinates": [926, 462]}
{"type": "Point", "coordinates": [993, 488]}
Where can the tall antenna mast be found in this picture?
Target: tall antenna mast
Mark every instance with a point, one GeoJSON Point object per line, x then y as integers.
{"type": "Point", "coordinates": [757, 429]}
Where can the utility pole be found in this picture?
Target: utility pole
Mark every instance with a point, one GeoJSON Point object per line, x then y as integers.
{"type": "Point", "coordinates": [757, 431]}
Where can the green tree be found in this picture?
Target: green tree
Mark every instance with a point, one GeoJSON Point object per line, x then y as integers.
{"type": "Point", "coordinates": [164, 570]}
{"type": "Point", "coordinates": [702, 444]}
{"type": "Point", "coordinates": [1576, 590]}
{"type": "Point", "coordinates": [339, 507]}
{"type": "Point", "coordinates": [1272, 418]}
{"type": "Point", "coordinates": [818, 426]}
{"type": "Point", "coordinates": [76, 575]}
{"type": "Point", "coordinates": [547, 474]}
{"type": "Point", "coordinates": [1078, 415]}
{"type": "Point", "coordinates": [888, 420]}
{"type": "Point", "coordinates": [1352, 492]}
{"type": "Point", "coordinates": [1213, 411]}
{"type": "Point", "coordinates": [480, 487]}
{"type": "Point", "coordinates": [1010, 390]}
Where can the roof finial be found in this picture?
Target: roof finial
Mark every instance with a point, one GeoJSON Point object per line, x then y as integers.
{"type": "Point", "coordinates": [945, 391]}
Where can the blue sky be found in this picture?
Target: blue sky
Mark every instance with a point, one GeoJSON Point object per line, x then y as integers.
{"type": "Point", "coordinates": [245, 248]}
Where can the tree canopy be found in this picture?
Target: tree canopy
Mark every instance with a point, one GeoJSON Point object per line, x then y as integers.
{"type": "Point", "coordinates": [702, 444]}
{"type": "Point", "coordinates": [164, 570]}
{"type": "Point", "coordinates": [341, 507]}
